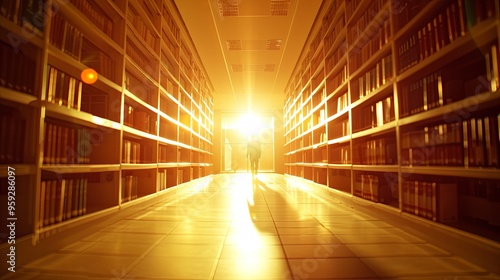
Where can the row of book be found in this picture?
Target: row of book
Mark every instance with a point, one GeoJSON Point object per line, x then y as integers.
{"type": "Point", "coordinates": [431, 200]}
{"type": "Point", "coordinates": [339, 154]}
{"type": "Point", "coordinates": [363, 51]}
{"type": "Point", "coordinates": [371, 187]}
{"type": "Point", "coordinates": [332, 60]}
{"type": "Point", "coordinates": [318, 97]}
{"type": "Point", "coordinates": [358, 28]}
{"type": "Point", "coordinates": [65, 36]}
{"type": "Point", "coordinates": [168, 85]}
{"type": "Point", "coordinates": [375, 152]}
{"type": "Point", "coordinates": [450, 23]}
{"type": "Point", "coordinates": [481, 141]}
{"type": "Point", "coordinates": [61, 200]}
{"type": "Point", "coordinates": [407, 10]}
{"type": "Point", "coordinates": [320, 155]}
{"type": "Point", "coordinates": [161, 180]}
{"type": "Point", "coordinates": [170, 64]}
{"type": "Point", "coordinates": [69, 39]}
{"type": "Point", "coordinates": [13, 74]}
{"type": "Point", "coordinates": [439, 144]}
{"type": "Point", "coordinates": [28, 14]}
{"type": "Point", "coordinates": [63, 89]}
{"type": "Point", "coordinates": [99, 103]}
{"type": "Point", "coordinates": [141, 88]}
{"type": "Point", "coordinates": [172, 26]}
{"type": "Point", "coordinates": [95, 58]}
{"type": "Point", "coordinates": [131, 152]}
{"type": "Point", "coordinates": [374, 115]}
{"type": "Point", "coordinates": [479, 200]}
{"type": "Point", "coordinates": [317, 79]}
{"type": "Point", "coordinates": [337, 104]}
{"type": "Point", "coordinates": [336, 80]}
{"type": "Point", "coordinates": [147, 64]}
{"type": "Point", "coordinates": [138, 119]}
{"type": "Point", "coordinates": [167, 154]}
{"type": "Point", "coordinates": [330, 14]}
{"type": "Point", "coordinates": [421, 95]}
{"type": "Point", "coordinates": [168, 106]}
{"type": "Point", "coordinates": [338, 128]}
{"type": "Point", "coordinates": [488, 189]}
{"type": "Point", "coordinates": [129, 185]}
{"type": "Point", "coordinates": [335, 31]}
{"type": "Point", "coordinates": [12, 128]}
{"type": "Point", "coordinates": [96, 15]}
{"type": "Point", "coordinates": [171, 45]}
{"type": "Point", "coordinates": [143, 31]}
{"type": "Point", "coordinates": [168, 129]}
{"type": "Point", "coordinates": [451, 83]}
{"type": "Point", "coordinates": [472, 143]}
{"type": "Point", "coordinates": [372, 79]}
{"type": "Point", "coordinates": [66, 145]}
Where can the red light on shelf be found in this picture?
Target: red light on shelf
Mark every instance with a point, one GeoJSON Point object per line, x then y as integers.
{"type": "Point", "coordinates": [89, 76]}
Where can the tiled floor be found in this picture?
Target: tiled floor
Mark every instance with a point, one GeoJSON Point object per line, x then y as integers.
{"type": "Point", "coordinates": [233, 227]}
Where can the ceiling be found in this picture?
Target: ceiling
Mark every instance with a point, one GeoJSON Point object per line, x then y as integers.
{"type": "Point", "coordinates": [249, 48]}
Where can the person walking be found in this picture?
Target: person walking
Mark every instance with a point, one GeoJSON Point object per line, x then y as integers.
{"type": "Point", "coordinates": [253, 154]}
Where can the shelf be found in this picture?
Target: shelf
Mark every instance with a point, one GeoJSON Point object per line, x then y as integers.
{"type": "Point", "coordinates": [375, 130]}
{"type": "Point", "coordinates": [82, 151]}
{"type": "Point", "coordinates": [475, 39]}
{"type": "Point", "coordinates": [56, 111]}
{"type": "Point", "coordinates": [132, 132]}
{"type": "Point", "coordinates": [340, 166]}
{"type": "Point", "coordinates": [81, 168]}
{"type": "Point", "coordinates": [16, 97]}
{"type": "Point", "coordinates": [19, 169]}
{"type": "Point", "coordinates": [479, 173]}
{"type": "Point", "coordinates": [376, 168]}
{"type": "Point", "coordinates": [69, 65]}
{"type": "Point", "coordinates": [455, 111]}
{"type": "Point", "coordinates": [16, 34]}
{"type": "Point", "coordinates": [420, 87]}
{"type": "Point", "coordinates": [139, 166]}
{"type": "Point", "coordinates": [73, 15]}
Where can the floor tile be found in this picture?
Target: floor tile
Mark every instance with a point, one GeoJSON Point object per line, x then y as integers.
{"type": "Point", "coordinates": [321, 251]}
{"type": "Point", "coordinates": [302, 231]}
{"type": "Point", "coordinates": [125, 237]}
{"type": "Point", "coordinates": [377, 239]}
{"type": "Point", "coordinates": [396, 250]}
{"type": "Point", "coordinates": [227, 228]}
{"type": "Point", "coordinates": [422, 266]}
{"type": "Point", "coordinates": [252, 269]}
{"type": "Point", "coordinates": [252, 250]}
{"type": "Point", "coordinates": [192, 239]}
{"type": "Point", "coordinates": [172, 268]}
{"type": "Point", "coordinates": [189, 251]}
{"type": "Point", "coordinates": [309, 239]}
{"type": "Point", "coordinates": [82, 264]}
{"type": "Point", "coordinates": [341, 268]}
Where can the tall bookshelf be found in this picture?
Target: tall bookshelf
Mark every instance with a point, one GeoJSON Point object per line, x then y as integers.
{"type": "Point", "coordinates": [80, 150]}
{"type": "Point", "coordinates": [397, 102]}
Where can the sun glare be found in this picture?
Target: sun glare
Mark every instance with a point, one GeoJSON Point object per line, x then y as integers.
{"type": "Point", "coordinates": [250, 124]}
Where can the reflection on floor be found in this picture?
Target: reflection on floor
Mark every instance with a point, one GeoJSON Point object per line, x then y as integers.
{"type": "Point", "coordinates": [232, 227]}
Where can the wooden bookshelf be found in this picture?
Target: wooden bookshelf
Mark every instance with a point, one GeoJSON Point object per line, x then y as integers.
{"type": "Point", "coordinates": [81, 149]}
{"type": "Point", "coordinates": [397, 102]}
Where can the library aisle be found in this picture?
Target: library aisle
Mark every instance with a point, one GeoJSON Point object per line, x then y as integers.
{"type": "Point", "coordinates": [230, 226]}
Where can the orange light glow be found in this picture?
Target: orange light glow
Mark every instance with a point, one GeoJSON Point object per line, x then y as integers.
{"type": "Point", "coordinates": [89, 76]}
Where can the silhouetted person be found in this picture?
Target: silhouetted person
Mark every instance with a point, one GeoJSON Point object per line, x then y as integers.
{"type": "Point", "coordinates": [253, 154]}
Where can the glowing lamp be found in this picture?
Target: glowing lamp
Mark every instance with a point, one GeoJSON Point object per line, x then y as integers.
{"type": "Point", "coordinates": [89, 76]}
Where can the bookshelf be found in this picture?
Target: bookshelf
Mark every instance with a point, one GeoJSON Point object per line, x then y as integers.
{"type": "Point", "coordinates": [396, 102]}
{"type": "Point", "coordinates": [80, 150]}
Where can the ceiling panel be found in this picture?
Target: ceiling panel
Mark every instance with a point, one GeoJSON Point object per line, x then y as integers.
{"type": "Point", "coordinates": [248, 46]}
